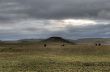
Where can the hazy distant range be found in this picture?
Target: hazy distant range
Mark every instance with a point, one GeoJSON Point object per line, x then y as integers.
{"type": "Point", "coordinates": [78, 41]}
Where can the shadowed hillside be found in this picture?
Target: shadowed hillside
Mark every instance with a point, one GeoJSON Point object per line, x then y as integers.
{"type": "Point", "coordinates": [57, 40]}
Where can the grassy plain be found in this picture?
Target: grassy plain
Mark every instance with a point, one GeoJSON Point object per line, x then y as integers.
{"type": "Point", "coordinates": [34, 57]}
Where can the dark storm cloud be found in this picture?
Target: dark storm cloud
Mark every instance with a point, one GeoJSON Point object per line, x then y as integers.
{"type": "Point", "coordinates": [54, 9]}
{"type": "Point", "coordinates": [67, 8]}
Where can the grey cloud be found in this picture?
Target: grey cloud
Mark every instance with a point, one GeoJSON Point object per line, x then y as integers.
{"type": "Point", "coordinates": [68, 9]}
{"type": "Point", "coordinates": [55, 9]}
{"type": "Point", "coordinates": [70, 32]}
{"type": "Point", "coordinates": [104, 14]}
{"type": "Point", "coordinates": [96, 31]}
{"type": "Point", "coordinates": [12, 11]}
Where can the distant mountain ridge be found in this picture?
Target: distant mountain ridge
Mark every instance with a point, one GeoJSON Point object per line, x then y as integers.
{"type": "Point", "coordinates": [60, 39]}
{"type": "Point", "coordinates": [93, 40]}
{"type": "Point", "coordinates": [26, 40]}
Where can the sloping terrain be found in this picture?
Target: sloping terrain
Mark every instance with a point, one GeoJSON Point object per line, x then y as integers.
{"type": "Point", "coordinates": [57, 40]}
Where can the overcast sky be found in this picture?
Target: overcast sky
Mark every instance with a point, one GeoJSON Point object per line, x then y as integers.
{"type": "Point", "coordinates": [73, 19]}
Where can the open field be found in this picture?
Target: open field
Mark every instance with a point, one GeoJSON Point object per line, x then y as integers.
{"type": "Point", "coordinates": [34, 57]}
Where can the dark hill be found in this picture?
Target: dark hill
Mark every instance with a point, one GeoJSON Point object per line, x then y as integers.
{"type": "Point", "coordinates": [58, 39]}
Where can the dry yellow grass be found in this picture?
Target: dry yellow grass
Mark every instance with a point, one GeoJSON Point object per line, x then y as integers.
{"type": "Point", "coordinates": [54, 58]}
